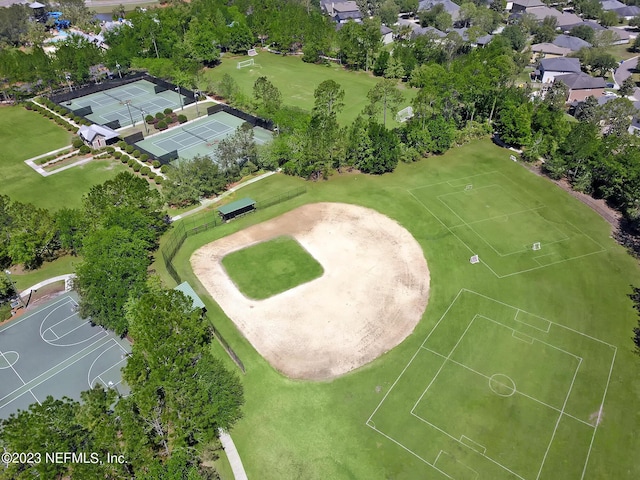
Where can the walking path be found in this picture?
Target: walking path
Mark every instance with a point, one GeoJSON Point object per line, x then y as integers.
{"type": "Point", "coordinates": [232, 456]}
{"type": "Point", "coordinates": [209, 201]}
{"type": "Point", "coordinates": [625, 70]}
{"type": "Point", "coordinates": [67, 281]}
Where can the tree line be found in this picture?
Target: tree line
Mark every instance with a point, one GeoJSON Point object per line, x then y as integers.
{"type": "Point", "coordinates": [180, 394]}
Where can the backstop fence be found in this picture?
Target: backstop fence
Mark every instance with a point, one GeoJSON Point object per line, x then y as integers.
{"type": "Point", "coordinates": [189, 227]}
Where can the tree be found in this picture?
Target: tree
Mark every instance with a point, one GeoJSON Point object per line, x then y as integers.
{"type": "Point", "coordinates": [516, 36]}
{"type": "Point", "coordinates": [190, 180]}
{"type": "Point", "coordinates": [267, 94]}
{"type": "Point", "coordinates": [32, 235]}
{"type": "Point", "coordinates": [200, 42]}
{"type": "Point", "coordinates": [584, 32]}
{"type": "Point", "coordinates": [381, 64]}
{"type": "Point", "coordinates": [328, 99]}
{"type": "Point", "coordinates": [181, 391]}
{"type": "Point", "coordinates": [227, 87]}
{"type": "Point", "coordinates": [436, 17]}
{"type": "Point", "coordinates": [114, 267]}
{"type": "Point", "coordinates": [546, 32]}
{"type": "Point", "coordinates": [389, 11]}
{"type": "Point", "coordinates": [608, 18]}
{"type": "Point", "coordinates": [586, 111]}
{"type": "Point", "coordinates": [636, 44]}
{"type": "Point", "coordinates": [384, 96]}
{"type": "Point", "coordinates": [395, 69]}
{"type": "Point", "coordinates": [588, 8]}
{"type": "Point", "coordinates": [77, 12]}
{"type": "Point", "coordinates": [385, 148]}
{"type": "Point", "coordinates": [628, 87]}
{"type": "Point", "coordinates": [556, 95]}
{"type": "Point", "coordinates": [240, 38]}
{"type": "Point", "coordinates": [514, 124]}
{"type": "Point", "coordinates": [129, 193]}
{"type": "Point", "coordinates": [70, 227]}
{"type": "Point", "coordinates": [635, 22]}
{"type": "Point", "coordinates": [236, 151]}
{"type": "Point", "coordinates": [14, 24]}
{"type": "Point", "coordinates": [615, 116]}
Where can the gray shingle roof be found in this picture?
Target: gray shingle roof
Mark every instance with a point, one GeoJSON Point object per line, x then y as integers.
{"type": "Point", "coordinates": [550, 48]}
{"type": "Point", "coordinates": [562, 64]}
{"type": "Point", "coordinates": [573, 43]}
{"type": "Point", "coordinates": [450, 7]}
{"type": "Point", "coordinates": [581, 81]}
{"type": "Point", "coordinates": [611, 4]}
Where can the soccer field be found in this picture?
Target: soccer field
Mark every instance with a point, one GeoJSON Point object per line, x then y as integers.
{"type": "Point", "coordinates": [521, 367]}
{"type": "Point", "coordinates": [298, 80]}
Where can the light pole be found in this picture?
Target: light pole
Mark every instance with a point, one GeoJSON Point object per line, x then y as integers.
{"type": "Point", "coordinates": [13, 285]}
{"type": "Point", "coordinates": [153, 37]}
{"type": "Point", "coordinates": [127, 103]}
{"type": "Point", "coordinates": [196, 94]}
{"type": "Point", "coordinates": [179, 97]}
{"type": "Point", "coordinates": [146, 127]}
{"type": "Point", "coordinates": [118, 67]}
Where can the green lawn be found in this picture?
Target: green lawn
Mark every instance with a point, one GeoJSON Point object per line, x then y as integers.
{"type": "Point", "coordinates": [526, 337]}
{"type": "Point", "coordinates": [298, 80]}
{"type": "Point", "coordinates": [27, 134]}
{"type": "Point", "coordinates": [271, 267]}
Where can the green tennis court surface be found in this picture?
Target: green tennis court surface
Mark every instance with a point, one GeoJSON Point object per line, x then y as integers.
{"type": "Point", "coordinates": [200, 137]}
{"type": "Point", "coordinates": [110, 105]}
{"type": "Point", "coordinates": [497, 392]}
{"type": "Point", "coordinates": [511, 231]}
{"type": "Point", "coordinates": [52, 351]}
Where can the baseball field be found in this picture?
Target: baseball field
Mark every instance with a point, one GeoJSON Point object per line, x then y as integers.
{"type": "Point", "coordinates": [401, 358]}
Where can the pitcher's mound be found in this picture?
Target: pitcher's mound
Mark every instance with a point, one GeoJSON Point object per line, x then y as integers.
{"type": "Point", "coordinates": [373, 291]}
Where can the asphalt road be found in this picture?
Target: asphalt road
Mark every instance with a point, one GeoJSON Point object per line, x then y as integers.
{"type": "Point", "coordinates": [625, 70]}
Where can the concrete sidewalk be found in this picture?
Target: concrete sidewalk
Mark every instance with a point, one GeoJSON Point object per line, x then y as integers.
{"type": "Point", "coordinates": [233, 456]}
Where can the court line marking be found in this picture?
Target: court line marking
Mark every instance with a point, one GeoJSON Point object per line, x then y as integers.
{"type": "Point", "coordinates": [13, 323]}
{"type": "Point", "coordinates": [47, 375]}
{"type": "Point", "coordinates": [122, 360]}
{"type": "Point", "coordinates": [102, 332]}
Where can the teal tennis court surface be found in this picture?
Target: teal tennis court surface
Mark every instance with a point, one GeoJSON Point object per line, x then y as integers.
{"type": "Point", "coordinates": [52, 351]}
{"type": "Point", "coordinates": [111, 105]}
{"type": "Point", "coordinates": [200, 137]}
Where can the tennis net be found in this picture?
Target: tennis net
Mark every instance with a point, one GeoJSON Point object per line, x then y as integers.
{"type": "Point", "coordinates": [123, 102]}
{"type": "Point", "coordinates": [195, 135]}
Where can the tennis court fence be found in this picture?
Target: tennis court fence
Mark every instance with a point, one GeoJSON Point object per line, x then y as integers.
{"type": "Point", "coordinates": [247, 117]}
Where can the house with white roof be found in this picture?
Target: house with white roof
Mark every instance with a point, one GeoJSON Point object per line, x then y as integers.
{"type": "Point", "coordinates": [97, 136]}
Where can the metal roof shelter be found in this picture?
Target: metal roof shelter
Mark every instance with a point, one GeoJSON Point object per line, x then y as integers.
{"type": "Point", "coordinates": [188, 290]}
{"type": "Point", "coordinates": [239, 207]}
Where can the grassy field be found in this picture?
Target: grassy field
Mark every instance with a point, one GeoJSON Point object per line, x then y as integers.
{"type": "Point", "coordinates": [271, 267]}
{"type": "Point", "coordinates": [298, 80]}
{"type": "Point", "coordinates": [27, 134]}
{"type": "Point", "coordinates": [502, 377]}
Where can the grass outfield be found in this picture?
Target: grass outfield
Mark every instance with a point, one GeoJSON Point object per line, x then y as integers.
{"type": "Point", "coordinates": [271, 267]}
{"type": "Point", "coordinates": [298, 80]}
{"type": "Point", "coordinates": [501, 374]}
{"type": "Point", "coordinates": [27, 134]}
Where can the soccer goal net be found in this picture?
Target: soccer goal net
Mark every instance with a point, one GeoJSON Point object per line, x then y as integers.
{"type": "Point", "coordinates": [252, 52]}
{"type": "Point", "coordinates": [245, 63]}
{"type": "Point", "coordinates": [404, 114]}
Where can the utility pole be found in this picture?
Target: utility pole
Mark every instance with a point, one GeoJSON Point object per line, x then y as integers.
{"type": "Point", "coordinates": [127, 103]}
{"type": "Point", "coordinates": [179, 97]}
{"type": "Point", "coordinates": [146, 127]}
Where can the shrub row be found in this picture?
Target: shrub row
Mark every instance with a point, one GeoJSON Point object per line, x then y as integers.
{"type": "Point", "coordinates": [51, 116]}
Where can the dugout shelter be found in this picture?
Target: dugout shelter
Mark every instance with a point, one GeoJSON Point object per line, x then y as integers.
{"type": "Point", "coordinates": [237, 208]}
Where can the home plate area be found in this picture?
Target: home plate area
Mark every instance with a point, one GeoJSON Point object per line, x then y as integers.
{"type": "Point", "coordinates": [52, 351]}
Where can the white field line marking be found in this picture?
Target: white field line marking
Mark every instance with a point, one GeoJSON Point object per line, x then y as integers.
{"type": "Point", "coordinates": [522, 337]}
{"type": "Point", "coordinates": [544, 459]}
{"type": "Point", "coordinates": [532, 326]}
{"type": "Point", "coordinates": [43, 377]}
{"type": "Point", "coordinates": [11, 367]}
{"type": "Point", "coordinates": [448, 182]}
{"type": "Point", "coordinates": [517, 391]}
{"type": "Point", "coordinates": [604, 396]}
{"type": "Point", "coordinates": [467, 446]}
{"type": "Point", "coordinates": [476, 444]}
{"type": "Point", "coordinates": [443, 364]}
{"type": "Point", "coordinates": [83, 323]}
{"type": "Point", "coordinates": [34, 396]}
{"type": "Point", "coordinates": [475, 473]}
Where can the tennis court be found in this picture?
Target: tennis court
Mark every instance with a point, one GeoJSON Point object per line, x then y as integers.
{"type": "Point", "coordinates": [200, 137]}
{"type": "Point", "coordinates": [52, 351]}
{"type": "Point", "coordinates": [111, 105]}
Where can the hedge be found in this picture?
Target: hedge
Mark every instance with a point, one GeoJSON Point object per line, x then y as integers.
{"type": "Point", "coordinates": [168, 111]}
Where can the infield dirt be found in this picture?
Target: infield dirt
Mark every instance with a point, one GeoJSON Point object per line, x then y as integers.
{"type": "Point", "coordinates": [373, 292]}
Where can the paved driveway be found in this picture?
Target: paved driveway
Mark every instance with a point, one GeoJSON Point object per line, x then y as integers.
{"type": "Point", "coordinates": [625, 70]}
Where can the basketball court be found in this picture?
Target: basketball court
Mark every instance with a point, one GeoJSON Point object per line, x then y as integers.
{"type": "Point", "coordinates": [199, 137]}
{"type": "Point", "coordinates": [126, 103]}
{"type": "Point", "coordinates": [52, 351]}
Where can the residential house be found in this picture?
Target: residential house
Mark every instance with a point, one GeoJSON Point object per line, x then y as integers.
{"type": "Point", "coordinates": [417, 30]}
{"type": "Point", "coordinates": [582, 86]}
{"type": "Point", "coordinates": [342, 12]}
{"type": "Point", "coordinates": [563, 18]}
{"type": "Point", "coordinates": [386, 34]}
{"type": "Point", "coordinates": [550, 68]}
{"type": "Point", "coordinates": [450, 7]}
{"type": "Point", "coordinates": [548, 50]}
{"type": "Point", "coordinates": [97, 136]}
{"type": "Point", "coordinates": [572, 43]}
{"type": "Point", "coordinates": [519, 6]}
